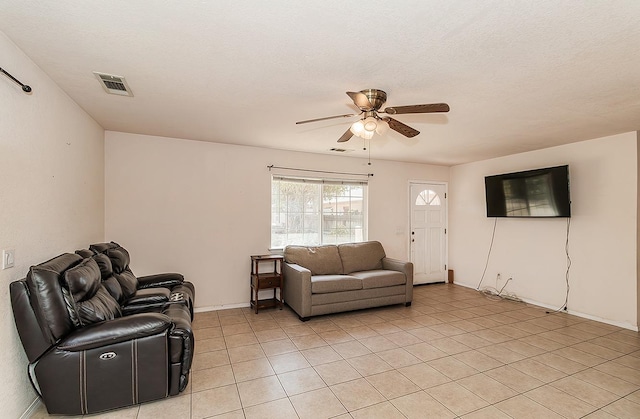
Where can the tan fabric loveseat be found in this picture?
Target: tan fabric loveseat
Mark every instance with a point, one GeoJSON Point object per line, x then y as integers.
{"type": "Point", "coordinates": [330, 279]}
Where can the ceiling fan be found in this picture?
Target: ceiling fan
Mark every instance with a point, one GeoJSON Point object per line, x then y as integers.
{"type": "Point", "coordinates": [369, 102]}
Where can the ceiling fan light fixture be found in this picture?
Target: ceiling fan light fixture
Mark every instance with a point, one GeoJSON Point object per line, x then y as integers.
{"type": "Point", "coordinates": [367, 135]}
{"type": "Point", "coordinates": [382, 127]}
{"type": "Point", "coordinates": [370, 124]}
{"type": "Point", "coordinates": [357, 128]}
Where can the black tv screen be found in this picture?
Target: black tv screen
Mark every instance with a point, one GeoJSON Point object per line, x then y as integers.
{"type": "Point", "coordinates": [532, 193]}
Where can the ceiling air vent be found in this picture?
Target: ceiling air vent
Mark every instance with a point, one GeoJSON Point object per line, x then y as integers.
{"type": "Point", "coordinates": [340, 150]}
{"type": "Point", "coordinates": [115, 85]}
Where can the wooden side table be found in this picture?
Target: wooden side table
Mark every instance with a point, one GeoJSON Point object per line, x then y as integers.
{"type": "Point", "coordinates": [271, 279]}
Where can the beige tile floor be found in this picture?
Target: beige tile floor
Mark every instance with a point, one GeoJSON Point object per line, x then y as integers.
{"type": "Point", "coordinates": [453, 353]}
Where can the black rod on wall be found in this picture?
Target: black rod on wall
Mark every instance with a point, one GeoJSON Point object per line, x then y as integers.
{"type": "Point", "coordinates": [27, 89]}
{"type": "Point", "coordinates": [319, 171]}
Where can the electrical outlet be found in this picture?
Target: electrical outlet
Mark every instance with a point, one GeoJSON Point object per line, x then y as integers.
{"type": "Point", "coordinates": [8, 258]}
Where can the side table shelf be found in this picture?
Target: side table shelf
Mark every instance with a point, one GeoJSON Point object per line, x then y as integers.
{"type": "Point", "coordinates": [271, 279]}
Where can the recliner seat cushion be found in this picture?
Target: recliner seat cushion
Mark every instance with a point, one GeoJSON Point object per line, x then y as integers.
{"type": "Point", "coordinates": [320, 260]}
{"type": "Point", "coordinates": [365, 256]}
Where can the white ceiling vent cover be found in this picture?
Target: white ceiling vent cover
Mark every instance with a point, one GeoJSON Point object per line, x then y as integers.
{"type": "Point", "coordinates": [115, 85]}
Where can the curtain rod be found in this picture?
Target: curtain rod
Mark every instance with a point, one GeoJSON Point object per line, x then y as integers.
{"type": "Point", "coordinates": [319, 171]}
{"type": "Point", "coordinates": [27, 89]}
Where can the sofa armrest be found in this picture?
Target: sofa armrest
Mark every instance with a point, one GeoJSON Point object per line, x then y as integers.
{"type": "Point", "coordinates": [297, 288]}
{"type": "Point", "coordinates": [406, 268]}
{"type": "Point", "coordinates": [166, 280]}
{"type": "Point", "coordinates": [115, 331]}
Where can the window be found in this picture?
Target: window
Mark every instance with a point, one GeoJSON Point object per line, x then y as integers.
{"type": "Point", "coordinates": [428, 197]}
{"type": "Point", "coordinates": [312, 212]}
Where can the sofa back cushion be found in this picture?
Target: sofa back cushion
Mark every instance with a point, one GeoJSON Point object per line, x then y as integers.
{"type": "Point", "coordinates": [120, 259]}
{"type": "Point", "coordinates": [365, 256]}
{"type": "Point", "coordinates": [108, 280]}
{"type": "Point", "coordinates": [320, 260]}
{"type": "Point", "coordinates": [87, 299]}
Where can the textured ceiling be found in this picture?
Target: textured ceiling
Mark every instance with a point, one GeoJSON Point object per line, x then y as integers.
{"type": "Point", "coordinates": [518, 75]}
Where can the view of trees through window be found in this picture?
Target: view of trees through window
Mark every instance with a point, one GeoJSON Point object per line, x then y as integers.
{"type": "Point", "coordinates": [314, 212]}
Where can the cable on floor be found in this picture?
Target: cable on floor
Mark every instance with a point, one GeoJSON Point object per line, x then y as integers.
{"type": "Point", "coordinates": [493, 235]}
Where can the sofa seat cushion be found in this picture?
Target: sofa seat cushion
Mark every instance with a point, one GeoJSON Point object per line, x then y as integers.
{"type": "Point", "coordinates": [322, 284]}
{"type": "Point", "coordinates": [363, 256]}
{"type": "Point", "coordinates": [380, 278]}
{"type": "Point", "coordinates": [320, 260]}
{"type": "Point", "coordinates": [356, 295]}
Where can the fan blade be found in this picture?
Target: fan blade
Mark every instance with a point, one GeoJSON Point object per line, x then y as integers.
{"type": "Point", "coordinates": [325, 118]}
{"type": "Point", "coordinates": [403, 129]}
{"type": "Point", "coordinates": [346, 136]}
{"type": "Point", "coordinates": [429, 108]}
{"type": "Point", "coordinates": [361, 101]}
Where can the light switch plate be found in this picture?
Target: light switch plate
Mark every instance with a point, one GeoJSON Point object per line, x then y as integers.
{"type": "Point", "coordinates": [8, 258]}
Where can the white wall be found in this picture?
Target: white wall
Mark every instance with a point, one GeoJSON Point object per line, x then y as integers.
{"type": "Point", "coordinates": [602, 244]}
{"type": "Point", "coordinates": [203, 208]}
{"type": "Point", "coordinates": [52, 194]}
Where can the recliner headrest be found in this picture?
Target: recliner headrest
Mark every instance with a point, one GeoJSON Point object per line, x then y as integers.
{"type": "Point", "coordinates": [85, 253]}
{"type": "Point", "coordinates": [119, 259]}
{"type": "Point", "coordinates": [102, 247]}
{"type": "Point", "coordinates": [83, 280]}
{"type": "Point", "coordinates": [47, 298]}
{"type": "Point", "coordinates": [105, 265]}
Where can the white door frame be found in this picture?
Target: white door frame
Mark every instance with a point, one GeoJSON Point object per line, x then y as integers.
{"type": "Point", "coordinates": [409, 214]}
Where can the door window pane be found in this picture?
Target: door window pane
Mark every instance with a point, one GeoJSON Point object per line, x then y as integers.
{"type": "Point", "coordinates": [428, 197]}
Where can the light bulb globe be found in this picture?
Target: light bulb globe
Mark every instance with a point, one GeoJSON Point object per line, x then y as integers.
{"type": "Point", "coordinates": [357, 128]}
{"type": "Point", "coordinates": [370, 124]}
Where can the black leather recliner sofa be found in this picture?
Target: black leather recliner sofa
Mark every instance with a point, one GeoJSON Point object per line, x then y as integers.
{"type": "Point", "coordinates": [97, 337]}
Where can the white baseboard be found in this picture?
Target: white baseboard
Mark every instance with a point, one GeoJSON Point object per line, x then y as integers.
{"type": "Point", "coordinates": [623, 325]}
{"type": "Point", "coordinates": [222, 307]}
{"type": "Point", "coordinates": [32, 408]}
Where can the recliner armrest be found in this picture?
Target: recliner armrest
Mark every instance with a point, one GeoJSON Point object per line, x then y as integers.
{"type": "Point", "coordinates": [115, 331]}
{"type": "Point", "coordinates": [154, 295]}
{"type": "Point", "coordinates": [166, 280]}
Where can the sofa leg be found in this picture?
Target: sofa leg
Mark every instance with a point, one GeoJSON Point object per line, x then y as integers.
{"type": "Point", "coordinates": [407, 304]}
{"type": "Point", "coordinates": [303, 319]}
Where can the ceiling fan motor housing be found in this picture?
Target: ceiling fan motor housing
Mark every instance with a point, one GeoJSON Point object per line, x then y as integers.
{"type": "Point", "coordinates": [376, 97]}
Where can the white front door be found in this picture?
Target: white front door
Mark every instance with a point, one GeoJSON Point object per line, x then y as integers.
{"type": "Point", "coordinates": [428, 232]}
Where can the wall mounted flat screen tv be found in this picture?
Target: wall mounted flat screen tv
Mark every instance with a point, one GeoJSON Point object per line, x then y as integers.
{"type": "Point", "coordinates": [537, 193]}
